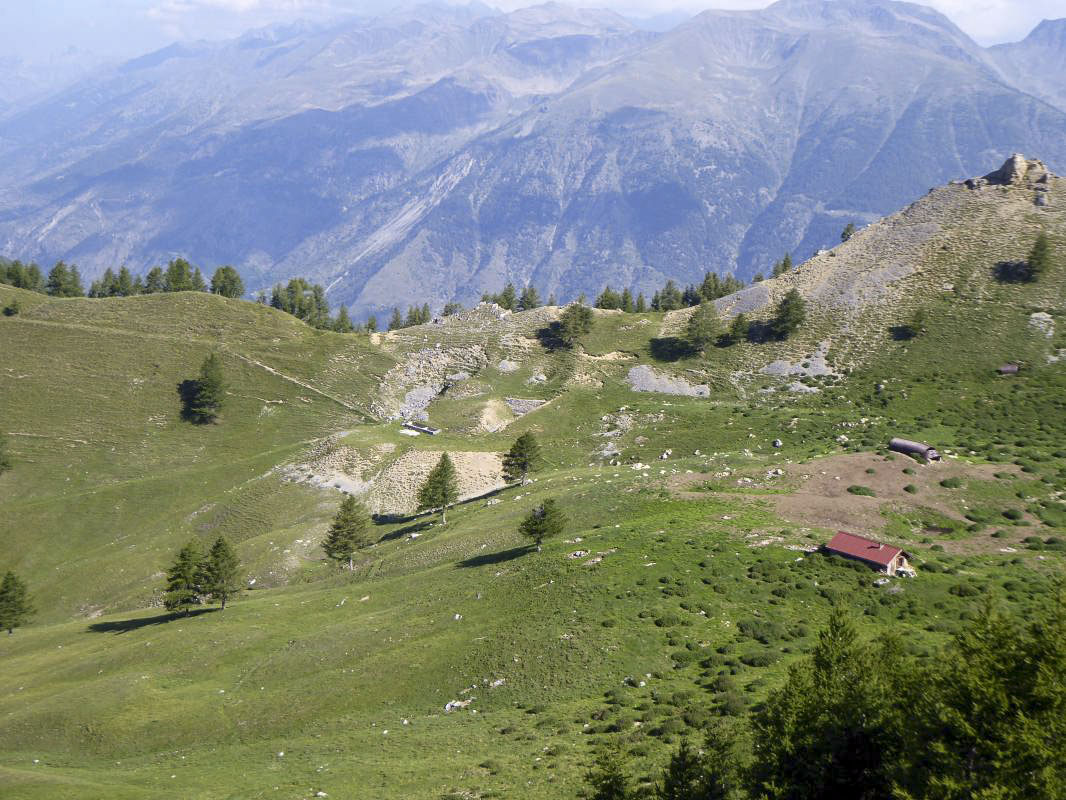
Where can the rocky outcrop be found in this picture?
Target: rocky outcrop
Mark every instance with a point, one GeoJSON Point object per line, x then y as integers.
{"type": "Point", "coordinates": [1016, 171]}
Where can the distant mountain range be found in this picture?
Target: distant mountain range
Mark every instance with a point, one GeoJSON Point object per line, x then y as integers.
{"type": "Point", "coordinates": [439, 153]}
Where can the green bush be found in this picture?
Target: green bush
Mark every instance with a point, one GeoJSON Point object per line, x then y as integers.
{"type": "Point", "coordinates": [951, 483]}
{"type": "Point", "coordinates": [910, 488]}
{"type": "Point", "coordinates": [864, 491]}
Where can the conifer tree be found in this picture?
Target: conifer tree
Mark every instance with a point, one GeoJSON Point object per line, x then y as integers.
{"type": "Point", "coordinates": [227, 282]}
{"type": "Point", "coordinates": [791, 313]}
{"type": "Point", "coordinates": [396, 320]}
{"type": "Point", "coordinates": [529, 299]}
{"type": "Point", "coordinates": [641, 305]}
{"type": "Point", "coordinates": [220, 577]}
{"type": "Point", "coordinates": [627, 301]}
{"type": "Point", "coordinates": [758, 278]}
{"type": "Point", "coordinates": [683, 776]}
{"type": "Point", "coordinates": [523, 457]}
{"type": "Point", "coordinates": [178, 276]}
{"type": "Point", "coordinates": [372, 325]}
{"type": "Point", "coordinates": [670, 298]}
{"type": "Point", "coordinates": [348, 533]}
{"type": "Point", "coordinates": [543, 522]}
{"type": "Point", "coordinates": [574, 322]}
{"type": "Point", "coordinates": [1039, 260]}
{"type": "Point", "coordinates": [848, 232]}
{"type": "Point", "coordinates": [440, 489]}
{"type": "Point", "coordinates": [197, 282]}
{"type": "Point", "coordinates": [210, 390]}
{"type": "Point", "coordinates": [507, 298]}
{"type": "Point", "coordinates": [155, 282]}
{"type": "Point", "coordinates": [451, 309]}
{"type": "Point", "coordinates": [184, 579]}
{"type": "Point", "coordinates": [15, 606]}
{"type": "Point", "coordinates": [64, 281]}
{"type": "Point", "coordinates": [551, 300]}
{"type": "Point", "coordinates": [609, 299]}
{"type": "Point", "coordinates": [124, 284]}
{"type": "Point", "coordinates": [343, 323]}
{"type": "Point", "coordinates": [703, 326]}
{"type": "Point", "coordinates": [607, 779]}
{"type": "Point", "coordinates": [739, 329]}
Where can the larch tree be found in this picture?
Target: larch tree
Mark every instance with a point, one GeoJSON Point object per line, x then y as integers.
{"type": "Point", "coordinates": [703, 327]}
{"type": "Point", "coordinates": [440, 489]}
{"type": "Point", "coordinates": [574, 322]}
{"type": "Point", "coordinates": [607, 780]}
{"type": "Point", "coordinates": [523, 458]}
{"type": "Point", "coordinates": [543, 522]}
{"type": "Point", "coordinates": [791, 313]}
{"type": "Point", "coordinates": [348, 533]}
{"type": "Point", "coordinates": [739, 329]}
{"type": "Point", "coordinates": [529, 299]}
{"type": "Point", "coordinates": [184, 579]}
{"type": "Point", "coordinates": [227, 282]}
{"type": "Point", "coordinates": [396, 320]}
{"type": "Point", "coordinates": [220, 577]}
{"type": "Point", "coordinates": [210, 390]}
{"type": "Point", "coordinates": [15, 606]}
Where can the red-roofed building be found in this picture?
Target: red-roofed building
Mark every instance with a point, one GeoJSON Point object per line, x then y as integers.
{"type": "Point", "coordinates": [883, 557]}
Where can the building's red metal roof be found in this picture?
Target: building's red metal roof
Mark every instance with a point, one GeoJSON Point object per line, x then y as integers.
{"type": "Point", "coordinates": [867, 549]}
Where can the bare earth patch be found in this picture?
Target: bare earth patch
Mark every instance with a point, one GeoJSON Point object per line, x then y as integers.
{"type": "Point", "coordinates": [816, 493]}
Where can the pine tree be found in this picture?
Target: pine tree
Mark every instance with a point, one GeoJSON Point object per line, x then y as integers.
{"type": "Point", "coordinates": [739, 329]}
{"type": "Point", "coordinates": [343, 323]}
{"type": "Point", "coordinates": [683, 776]}
{"type": "Point", "coordinates": [58, 280]}
{"type": "Point", "coordinates": [396, 320]}
{"type": "Point", "coordinates": [627, 301]}
{"type": "Point", "coordinates": [15, 606]}
{"type": "Point", "coordinates": [197, 282]}
{"type": "Point", "coordinates": [507, 298]}
{"type": "Point", "coordinates": [440, 489]}
{"type": "Point", "coordinates": [529, 300]}
{"type": "Point", "coordinates": [1039, 260]}
{"type": "Point", "coordinates": [551, 300]}
{"type": "Point", "coordinates": [848, 232]}
{"type": "Point", "coordinates": [609, 299]}
{"type": "Point", "coordinates": [703, 326]}
{"type": "Point", "coordinates": [791, 313]}
{"type": "Point", "coordinates": [523, 457]}
{"type": "Point", "coordinates": [5, 455]}
{"type": "Point", "coordinates": [641, 304]}
{"type": "Point", "coordinates": [372, 325]}
{"type": "Point", "coordinates": [210, 390]}
{"type": "Point", "coordinates": [184, 579]}
{"type": "Point", "coordinates": [607, 779]}
{"type": "Point", "coordinates": [543, 522]}
{"type": "Point", "coordinates": [349, 531]}
{"type": "Point", "coordinates": [758, 278]}
{"type": "Point", "coordinates": [124, 283]}
{"type": "Point", "coordinates": [155, 282]}
{"type": "Point", "coordinates": [178, 276]}
{"type": "Point", "coordinates": [220, 577]}
{"type": "Point", "coordinates": [227, 282]}
{"type": "Point", "coordinates": [574, 322]}
{"type": "Point", "coordinates": [670, 298]}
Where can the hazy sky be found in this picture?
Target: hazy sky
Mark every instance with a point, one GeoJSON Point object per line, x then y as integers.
{"type": "Point", "coordinates": [123, 28]}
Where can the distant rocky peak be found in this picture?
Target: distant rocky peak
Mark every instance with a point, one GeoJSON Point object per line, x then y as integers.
{"type": "Point", "coordinates": [1049, 33]}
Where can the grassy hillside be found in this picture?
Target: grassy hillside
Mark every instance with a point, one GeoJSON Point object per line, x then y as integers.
{"type": "Point", "coordinates": [680, 593]}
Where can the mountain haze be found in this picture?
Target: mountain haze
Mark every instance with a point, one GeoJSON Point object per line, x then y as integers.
{"type": "Point", "coordinates": [440, 153]}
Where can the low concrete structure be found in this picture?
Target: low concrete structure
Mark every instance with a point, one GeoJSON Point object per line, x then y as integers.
{"type": "Point", "coordinates": [920, 449]}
